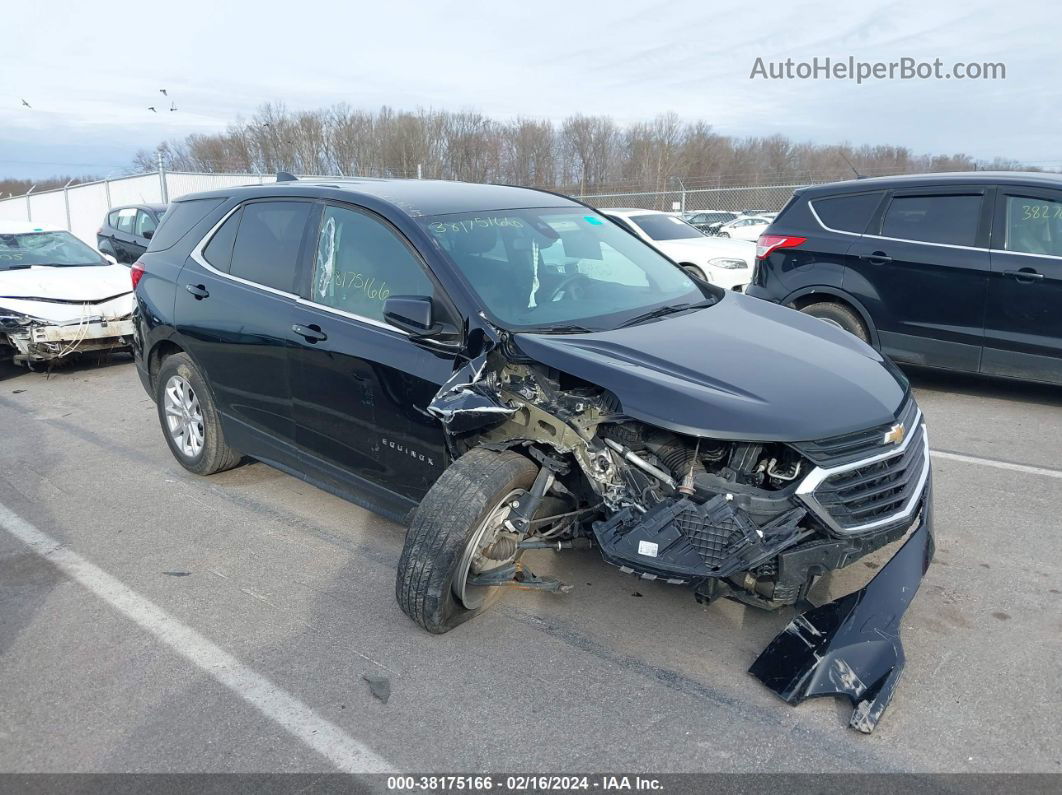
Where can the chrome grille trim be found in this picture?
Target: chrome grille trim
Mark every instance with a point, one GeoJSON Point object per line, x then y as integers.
{"type": "Point", "coordinates": [819, 475]}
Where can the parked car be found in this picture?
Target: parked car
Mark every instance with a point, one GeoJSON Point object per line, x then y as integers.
{"type": "Point", "coordinates": [957, 271]}
{"type": "Point", "coordinates": [506, 369]}
{"type": "Point", "coordinates": [58, 297]}
{"type": "Point", "coordinates": [725, 263]}
{"type": "Point", "coordinates": [126, 231]}
{"type": "Point", "coordinates": [744, 228]}
{"type": "Point", "coordinates": [709, 221]}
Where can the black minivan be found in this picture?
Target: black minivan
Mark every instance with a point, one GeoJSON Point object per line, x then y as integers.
{"type": "Point", "coordinates": [958, 271]}
{"type": "Point", "coordinates": [505, 370]}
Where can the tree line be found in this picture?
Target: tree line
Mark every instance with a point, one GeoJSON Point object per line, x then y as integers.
{"type": "Point", "coordinates": [581, 154]}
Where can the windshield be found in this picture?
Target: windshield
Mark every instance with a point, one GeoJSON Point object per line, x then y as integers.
{"type": "Point", "coordinates": [552, 268]}
{"type": "Point", "coordinates": [58, 249]}
{"type": "Point", "coordinates": [665, 227]}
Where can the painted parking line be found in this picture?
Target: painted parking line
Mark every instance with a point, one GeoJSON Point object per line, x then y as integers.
{"type": "Point", "coordinates": [347, 754]}
{"type": "Point", "coordinates": [992, 462]}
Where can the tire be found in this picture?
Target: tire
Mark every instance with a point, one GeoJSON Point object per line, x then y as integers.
{"type": "Point", "coordinates": [199, 422]}
{"type": "Point", "coordinates": [724, 234]}
{"type": "Point", "coordinates": [694, 271]}
{"type": "Point", "coordinates": [443, 526]}
{"type": "Point", "coordinates": [838, 315]}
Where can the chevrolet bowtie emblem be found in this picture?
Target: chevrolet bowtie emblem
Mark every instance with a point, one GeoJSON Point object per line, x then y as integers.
{"type": "Point", "coordinates": [895, 434]}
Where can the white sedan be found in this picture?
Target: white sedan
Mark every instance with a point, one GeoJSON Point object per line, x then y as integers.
{"type": "Point", "coordinates": [747, 228]}
{"type": "Point", "coordinates": [726, 263]}
{"type": "Point", "coordinates": [58, 296]}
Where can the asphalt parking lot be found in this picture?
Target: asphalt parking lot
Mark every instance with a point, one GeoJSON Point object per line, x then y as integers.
{"type": "Point", "coordinates": [226, 623]}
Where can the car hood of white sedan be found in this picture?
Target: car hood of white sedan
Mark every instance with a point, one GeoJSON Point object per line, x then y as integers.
{"type": "Point", "coordinates": [61, 294]}
{"type": "Point", "coordinates": [702, 249]}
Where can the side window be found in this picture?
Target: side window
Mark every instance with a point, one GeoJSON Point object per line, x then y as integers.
{"type": "Point", "coordinates": [145, 224]}
{"type": "Point", "coordinates": [933, 219]}
{"type": "Point", "coordinates": [847, 213]}
{"type": "Point", "coordinates": [268, 241]}
{"type": "Point", "coordinates": [1033, 225]}
{"type": "Point", "coordinates": [126, 219]}
{"type": "Point", "coordinates": [180, 218]}
{"type": "Point", "coordinates": [360, 261]}
{"type": "Point", "coordinates": [218, 251]}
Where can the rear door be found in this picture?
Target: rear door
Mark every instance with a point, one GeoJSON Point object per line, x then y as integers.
{"type": "Point", "coordinates": [360, 386]}
{"type": "Point", "coordinates": [124, 249]}
{"type": "Point", "coordinates": [234, 305]}
{"type": "Point", "coordinates": [1023, 320]}
{"type": "Point", "coordinates": [923, 274]}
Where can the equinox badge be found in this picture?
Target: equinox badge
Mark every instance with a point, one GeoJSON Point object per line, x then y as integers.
{"type": "Point", "coordinates": [895, 434]}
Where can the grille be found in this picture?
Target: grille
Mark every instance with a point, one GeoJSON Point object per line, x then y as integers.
{"type": "Point", "coordinates": [877, 495]}
{"type": "Point", "coordinates": [851, 447]}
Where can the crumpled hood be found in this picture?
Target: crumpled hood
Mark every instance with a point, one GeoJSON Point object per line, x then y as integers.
{"type": "Point", "coordinates": [91, 283]}
{"type": "Point", "coordinates": [744, 369]}
{"type": "Point", "coordinates": [69, 294]}
{"type": "Point", "coordinates": [701, 249]}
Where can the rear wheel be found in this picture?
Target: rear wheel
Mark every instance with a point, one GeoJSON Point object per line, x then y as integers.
{"type": "Point", "coordinates": [190, 419]}
{"type": "Point", "coordinates": [456, 533]}
{"type": "Point", "coordinates": [839, 316]}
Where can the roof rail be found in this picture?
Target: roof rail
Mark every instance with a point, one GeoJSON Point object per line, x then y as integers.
{"type": "Point", "coordinates": [284, 176]}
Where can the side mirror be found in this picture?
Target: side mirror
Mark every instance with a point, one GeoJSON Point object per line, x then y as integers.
{"type": "Point", "coordinates": [412, 314]}
{"type": "Point", "coordinates": [148, 234]}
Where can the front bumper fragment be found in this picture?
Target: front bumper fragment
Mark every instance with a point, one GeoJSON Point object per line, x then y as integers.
{"type": "Point", "coordinates": [851, 647]}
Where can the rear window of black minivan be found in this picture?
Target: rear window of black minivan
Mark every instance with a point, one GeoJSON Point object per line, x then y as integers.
{"type": "Point", "coordinates": [179, 218]}
{"type": "Point", "coordinates": [849, 213]}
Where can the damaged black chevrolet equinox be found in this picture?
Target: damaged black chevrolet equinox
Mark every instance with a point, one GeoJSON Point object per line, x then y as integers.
{"type": "Point", "coordinates": [505, 369]}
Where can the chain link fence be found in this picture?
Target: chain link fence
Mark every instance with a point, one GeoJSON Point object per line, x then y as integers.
{"type": "Point", "coordinates": [769, 199]}
{"type": "Point", "coordinates": [81, 208]}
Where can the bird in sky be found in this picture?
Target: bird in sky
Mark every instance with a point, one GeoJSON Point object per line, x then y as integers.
{"type": "Point", "coordinates": [163, 92]}
{"type": "Point", "coordinates": [173, 106]}
{"type": "Point", "coordinates": [27, 104]}
{"type": "Point", "coordinates": [152, 108]}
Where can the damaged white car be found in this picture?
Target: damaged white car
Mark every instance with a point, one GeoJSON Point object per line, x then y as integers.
{"type": "Point", "coordinates": [58, 296]}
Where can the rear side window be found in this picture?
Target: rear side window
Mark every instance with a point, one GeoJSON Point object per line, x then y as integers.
{"type": "Point", "coordinates": [268, 242]}
{"type": "Point", "coordinates": [126, 218]}
{"type": "Point", "coordinates": [847, 213]}
{"type": "Point", "coordinates": [933, 219]}
{"type": "Point", "coordinates": [179, 218]}
{"type": "Point", "coordinates": [218, 251]}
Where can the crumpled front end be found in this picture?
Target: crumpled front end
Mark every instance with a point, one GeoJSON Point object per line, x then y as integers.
{"type": "Point", "coordinates": [753, 521]}
{"type": "Point", "coordinates": [42, 331]}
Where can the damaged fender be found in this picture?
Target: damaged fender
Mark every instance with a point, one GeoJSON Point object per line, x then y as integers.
{"type": "Point", "coordinates": [851, 647]}
{"type": "Point", "coordinates": [466, 402]}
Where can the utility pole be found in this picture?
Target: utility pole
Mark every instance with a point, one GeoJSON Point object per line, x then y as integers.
{"type": "Point", "coordinates": [162, 181]}
{"type": "Point", "coordinates": [66, 201]}
{"type": "Point", "coordinates": [29, 204]}
{"type": "Point", "coordinates": [420, 171]}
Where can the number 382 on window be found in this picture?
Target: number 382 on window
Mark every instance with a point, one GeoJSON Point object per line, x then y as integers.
{"type": "Point", "coordinates": [1033, 212]}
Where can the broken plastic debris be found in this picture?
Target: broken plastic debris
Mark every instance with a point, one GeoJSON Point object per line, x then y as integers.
{"type": "Point", "coordinates": [379, 686]}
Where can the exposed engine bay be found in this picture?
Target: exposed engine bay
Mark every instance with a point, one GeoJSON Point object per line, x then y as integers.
{"type": "Point", "coordinates": [753, 521]}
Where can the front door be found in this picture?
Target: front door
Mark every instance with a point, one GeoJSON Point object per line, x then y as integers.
{"type": "Point", "coordinates": [360, 386]}
{"type": "Point", "coordinates": [924, 275]}
{"type": "Point", "coordinates": [1023, 321]}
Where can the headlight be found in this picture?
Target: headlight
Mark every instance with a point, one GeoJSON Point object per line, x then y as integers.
{"type": "Point", "coordinates": [728, 262]}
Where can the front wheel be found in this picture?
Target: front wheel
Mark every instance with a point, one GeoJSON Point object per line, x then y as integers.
{"type": "Point", "coordinates": [456, 533]}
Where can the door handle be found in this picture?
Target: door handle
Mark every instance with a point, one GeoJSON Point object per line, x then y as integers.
{"type": "Point", "coordinates": [311, 333]}
{"type": "Point", "coordinates": [876, 258]}
{"type": "Point", "coordinates": [1025, 275]}
{"type": "Point", "coordinates": [198, 290]}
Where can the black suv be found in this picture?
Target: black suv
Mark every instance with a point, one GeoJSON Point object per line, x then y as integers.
{"type": "Point", "coordinates": [507, 370]}
{"type": "Point", "coordinates": [126, 231]}
{"type": "Point", "coordinates": [957, 271]}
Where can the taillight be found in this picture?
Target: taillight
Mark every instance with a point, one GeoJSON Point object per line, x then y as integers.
{"type": "Point", "coordinates": [768, 243]}
{"type": "Point", "coordinates": [135, 273]}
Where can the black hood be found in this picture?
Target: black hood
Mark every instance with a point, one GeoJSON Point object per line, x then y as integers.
{"type": "Point", "coordinates": [744, 369]}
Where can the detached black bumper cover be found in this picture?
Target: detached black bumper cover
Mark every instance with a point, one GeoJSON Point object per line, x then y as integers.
{"type": "Point", "coordinates": [851, 647]}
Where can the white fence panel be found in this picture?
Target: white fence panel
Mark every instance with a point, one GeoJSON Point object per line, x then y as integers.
{"type": "Point", "coordinates": [49, 209]}
{"type": "Point", "coordinates": [88, 206]}
{"type": "Point", "coordinates": [14, 209]}
{"type": "Point", "coordinates": [144, 189]}
{"type": "Point", "coordinates": [180, 184]}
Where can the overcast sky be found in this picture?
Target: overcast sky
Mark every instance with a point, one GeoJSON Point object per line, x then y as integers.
{"type": "Point", "coordinates": [91, 69]}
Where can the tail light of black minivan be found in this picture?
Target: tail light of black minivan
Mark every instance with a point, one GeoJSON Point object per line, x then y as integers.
{"type": "Point", "coordinates": [768, 243]}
